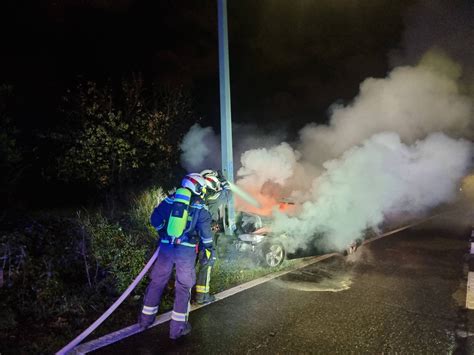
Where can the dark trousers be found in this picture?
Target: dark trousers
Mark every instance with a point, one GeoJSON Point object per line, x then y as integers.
{"type": "Point", "coordinates": [203, 275]}
{"type": "Point", "coordinates": [183, 258]}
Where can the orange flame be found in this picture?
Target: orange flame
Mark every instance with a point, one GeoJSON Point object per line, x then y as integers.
{"type": "Point", "coordinates": [267, 203]}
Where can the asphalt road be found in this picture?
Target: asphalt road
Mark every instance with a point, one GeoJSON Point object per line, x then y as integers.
{"type": "Point", "coordinates": [404, 293]}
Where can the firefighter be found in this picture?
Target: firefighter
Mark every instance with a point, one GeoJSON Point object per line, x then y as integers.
{"type": "Point", "coordinates": [181, 220]}
{"type": "Point", "coordinates": [216, 198]}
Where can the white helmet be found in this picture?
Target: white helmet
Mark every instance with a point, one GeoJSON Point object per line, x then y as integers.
{"type": "Point", "coordinates": [212, 183]}
{"type": "Point", "coordinates": [196, 183]}
{"type": "Point", "coordinates": [208, 172]}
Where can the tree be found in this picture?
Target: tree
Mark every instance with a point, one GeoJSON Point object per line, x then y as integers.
{"type": "Point", "coordinates": [113, 138]}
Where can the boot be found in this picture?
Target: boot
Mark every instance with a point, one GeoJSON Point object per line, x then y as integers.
{"type": "Point", "coordinates": [179, 329]}
{"type": "Point", "coordinates": [144, 321]}
{"type": "Point", "coordinates": [204, 298]}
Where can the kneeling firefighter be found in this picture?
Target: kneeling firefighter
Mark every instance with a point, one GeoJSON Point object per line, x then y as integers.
{"type": "Point", "coordinates": [181, 220]}
{"type": "Point", "coordinates": [217, 196]}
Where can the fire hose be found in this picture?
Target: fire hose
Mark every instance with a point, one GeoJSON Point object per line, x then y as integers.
{"type": "Point", "coordinates": [111, 309]}
{"type": "Point", "coordinates": [134, 284]}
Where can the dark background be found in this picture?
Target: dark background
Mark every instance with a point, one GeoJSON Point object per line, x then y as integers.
{"type": "Point", "coordinates": [289, 59]}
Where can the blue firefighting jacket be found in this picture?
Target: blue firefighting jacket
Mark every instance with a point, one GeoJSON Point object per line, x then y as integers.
{"type": "Point", "coordinates": [198, 225]}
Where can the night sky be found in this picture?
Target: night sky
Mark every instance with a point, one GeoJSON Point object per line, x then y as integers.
{"type": "Point", "coordinates": [290, 60]}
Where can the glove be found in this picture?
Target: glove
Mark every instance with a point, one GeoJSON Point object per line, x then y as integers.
{"type": "Point", "coordinates": [210, 257]}
{"type": "Point", "coordinates": [225, 185]}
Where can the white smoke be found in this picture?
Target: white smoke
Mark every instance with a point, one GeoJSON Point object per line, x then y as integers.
{"type": "Point", "coordinates": [400, 146]}
{"type": "Point", "coordinates": [379, 177]}
{"type": "Point", "coordinates": [267, 165]}
{"type": "Point", "coordinates": [199, 147]}
{"type": "Point", "coordinates": [396, 148]}
{"type": "Point", "coordinates": [412, 101]}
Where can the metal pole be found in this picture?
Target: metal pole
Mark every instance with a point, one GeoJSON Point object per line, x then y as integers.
{"type": "Point", "coordinates": [226, 118]}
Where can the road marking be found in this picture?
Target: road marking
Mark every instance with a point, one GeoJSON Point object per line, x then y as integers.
{"type": "Point", "coordinates": [472, 242]}
{"type": "Point", "coordinates": [470, 291]}
{"type": "Point", "coordinates": [470, 279]}
{"type": "Point", "coordinates": [386, 234]}
{"type": "Point", "coordinates": [165, 317]}
{"type": "Point", "coordinates": [460, 334]}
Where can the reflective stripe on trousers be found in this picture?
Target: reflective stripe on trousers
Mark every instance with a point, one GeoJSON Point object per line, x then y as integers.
{"type": "Point", "coordinates": [149, 310]}
{"type": "Point", "coordinates": [180, 317]}
{"type": "Point", "coordinates": [204, 274]}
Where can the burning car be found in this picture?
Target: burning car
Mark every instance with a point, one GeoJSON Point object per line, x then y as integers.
{"type": "Point", "coordinates": [254, 236]}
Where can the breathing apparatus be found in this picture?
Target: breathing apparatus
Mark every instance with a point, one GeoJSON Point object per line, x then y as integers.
{"type": "Point", "coordinates": [179, 215]}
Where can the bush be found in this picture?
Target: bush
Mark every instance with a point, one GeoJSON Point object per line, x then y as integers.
{"type": "Point", "coordinates": [121, 247]}
{"type": "Point", "coordinates": [115, 138]}
{"type": "Point", "coordinates": [61, 272]}
{"type": "Point", "coordinates": [143, 205]}
{"type": "Point", "coordinates": [44, 281]}
{"type": "Point", "coordinates": [120, 253]}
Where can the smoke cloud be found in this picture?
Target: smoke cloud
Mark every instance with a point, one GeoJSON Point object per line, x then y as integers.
{"type": "Point", "coordinates": [199, 147]}
{"type": "Point", "coordinates": [401, 146]}
{"type": "Point", "coordinates": [379, 177]}
{"type": "Point", "coordinates": [267, 165]}
{"type": "Point", "coordinates": [412, 101]}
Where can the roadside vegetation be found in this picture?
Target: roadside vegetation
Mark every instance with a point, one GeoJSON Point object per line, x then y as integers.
{"type": "Point", "coordinates": [76, 198]}
{"type": "Point", "coordinates": [76, 194]}
{"type": "Point", "coordinates": [60, 272]}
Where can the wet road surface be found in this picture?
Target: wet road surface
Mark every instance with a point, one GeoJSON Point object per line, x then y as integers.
{"type": "Point", "coordinates": [403, 293]}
